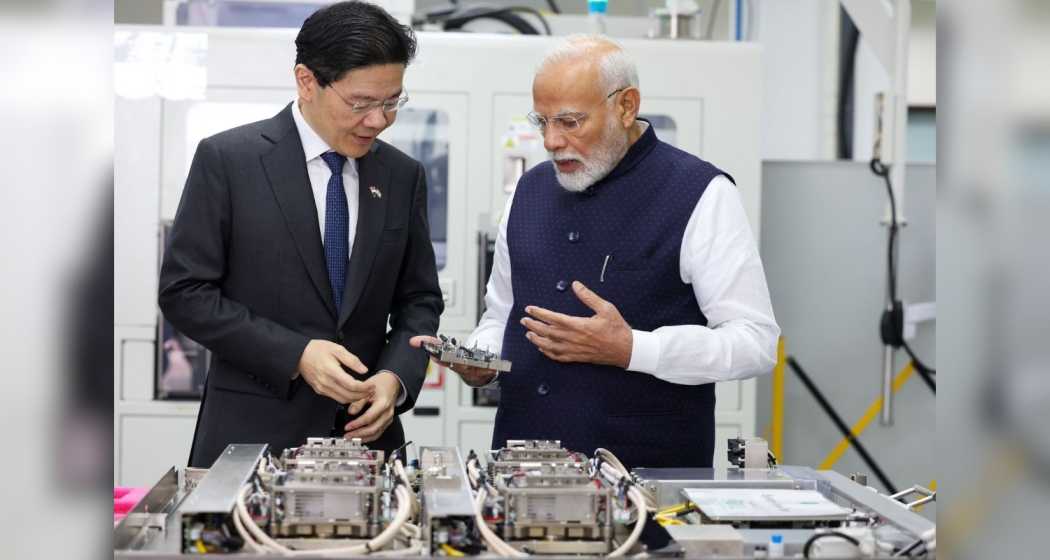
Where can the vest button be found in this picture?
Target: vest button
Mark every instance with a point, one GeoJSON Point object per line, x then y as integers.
{"type": "Point", "coordinates": [574, 236]}
{"type": "Point", "coordinates": [543, 390]}
{"type": "Point", "coordinates": [561, 286]}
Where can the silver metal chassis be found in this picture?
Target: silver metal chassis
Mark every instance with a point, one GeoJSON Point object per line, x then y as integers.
{"type": "Point", "coordinates": [152, 532]}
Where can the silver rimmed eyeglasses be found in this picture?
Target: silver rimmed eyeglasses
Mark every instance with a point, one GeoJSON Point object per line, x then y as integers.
{"type": "Point", "coordinates": [387, 105]}
{"type": "Point", "coordinates": [567, 122]}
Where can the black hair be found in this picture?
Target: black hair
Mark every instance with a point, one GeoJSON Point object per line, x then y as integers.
{"type": "Point", "coordinates": [347, 35]}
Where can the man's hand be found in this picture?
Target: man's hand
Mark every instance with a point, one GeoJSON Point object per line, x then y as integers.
{"type": "Point", "coordinates": [603, 338]}
{"type": "Point", "coordinates": [384, 387]}
{"type": "Point", "coordinates": [321, 365]}
{"type": "Point", "coordinates": [471, 375]}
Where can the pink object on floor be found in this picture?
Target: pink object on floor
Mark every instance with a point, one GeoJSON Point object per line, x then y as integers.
{"type": "Point", "coordinates": [124, 499]}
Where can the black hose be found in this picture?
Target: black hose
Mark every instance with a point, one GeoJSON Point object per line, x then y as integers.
{"type": "Point", "coordinates": [907, 551]}
{"type": "Point", "coordinates": [539, 16]}
{"type": "Point", "coordinates": [506, 15]}
{"type": "Point", "coordinates": [841, 425]}
{"type": "Point", "coordinates": [818, 536]}
{"type": "Point", "coordinates": [850, 37]}
{"type": "Point", "coordinates": [897, 341]}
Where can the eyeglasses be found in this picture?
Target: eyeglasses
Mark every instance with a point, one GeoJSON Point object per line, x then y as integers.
{"type": "Point", "coordinates": [565, 122]}
{"type": "Point", "coordinates": [387, 105]}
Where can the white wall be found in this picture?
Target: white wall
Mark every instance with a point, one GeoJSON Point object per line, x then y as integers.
{"type": "Point", "coordinates": [800, 57]}
{"type": "Point", "coordinates": [800, 68]}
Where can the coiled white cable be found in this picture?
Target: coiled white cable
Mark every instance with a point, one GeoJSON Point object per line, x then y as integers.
{"type": "Point", "coordinates": [259, 541]}
{"type": "Point", "coordinates": [498, 545]}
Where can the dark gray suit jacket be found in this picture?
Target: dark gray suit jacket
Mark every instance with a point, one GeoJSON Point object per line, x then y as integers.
{"type": "Point", "coordinates": [245, 276]}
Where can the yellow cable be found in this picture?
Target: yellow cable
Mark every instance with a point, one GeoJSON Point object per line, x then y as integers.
{"type": "Point", "coordinates": [200, 547]}
{"type": "Point", "coordinates": [675, 509]}
{"type": "Point", "coordinates": [777, 441]}
{"type": "Point", "coordinates": [451, 551]}
{"type": "Point", "coordinates": [898, 381]}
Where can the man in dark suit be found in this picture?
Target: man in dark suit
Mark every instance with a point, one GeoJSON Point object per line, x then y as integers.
{"type": "Point", "coordinates": [296, 240]}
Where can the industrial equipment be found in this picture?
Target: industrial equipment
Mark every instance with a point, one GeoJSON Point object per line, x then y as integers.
{"type": "Point", "coordinates": [337, 498]}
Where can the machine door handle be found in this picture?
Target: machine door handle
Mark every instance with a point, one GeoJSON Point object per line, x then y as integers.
{"type": "Point", "coordinates": [426, 411]}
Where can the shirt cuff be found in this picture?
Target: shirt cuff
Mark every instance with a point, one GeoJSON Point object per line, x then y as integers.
{"type": "Point", "coordinates": [402, 395]}
{"type": "Point", "coordinates": [645, 352]}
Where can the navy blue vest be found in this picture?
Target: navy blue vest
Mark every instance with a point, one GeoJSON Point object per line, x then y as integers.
{"type": "Point", "coordinates": [636, 216]}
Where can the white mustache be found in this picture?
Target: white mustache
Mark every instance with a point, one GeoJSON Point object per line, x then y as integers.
{"type": "Point", "coordinates": [566, 158]}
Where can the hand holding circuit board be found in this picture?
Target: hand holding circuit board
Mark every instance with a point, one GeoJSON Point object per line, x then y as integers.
{"type": "Point", "coordinates": [476, 366]}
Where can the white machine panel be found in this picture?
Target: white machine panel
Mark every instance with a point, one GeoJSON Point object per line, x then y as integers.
{"type": "Point", "coordinates": [151, 444]}
{"type": "Point", "coordinates": [136, 364]}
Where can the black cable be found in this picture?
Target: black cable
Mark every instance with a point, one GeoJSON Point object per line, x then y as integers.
{"type": "Point", "coordinates": [897, 337]}
{"type": "Point", "coordinates": [539, 16]}
{"type": "Point", "coordinates": [850, 38]}
{"type": "Point", "coordinates": [818, 536]}
{"type": "Point", "coordinates": [881, 170]}
{"type": "Point", "coordinates": [841, 425]}
{"type": "Point", "coordinates": [554, 7]}
{"type": "Point", "coordinates": [919, 364]}
{"type": "Point", "coordinates": [926, 377]}
{"type": "Point", "coordinates": [506, 15]}
{"type": "Point", "coordinates": [924, 372]}
{"type": "Point", "coordinates": [911, 547]}
{"type": "Point", "coordinates": [396, 453]}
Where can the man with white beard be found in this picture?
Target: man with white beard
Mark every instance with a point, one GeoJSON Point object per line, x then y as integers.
{"type": "Point", "coordinates": [626, 279]}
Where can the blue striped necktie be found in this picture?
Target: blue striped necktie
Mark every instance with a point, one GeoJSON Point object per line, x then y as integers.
{"type": "Point", "coordinates": [336, 227]}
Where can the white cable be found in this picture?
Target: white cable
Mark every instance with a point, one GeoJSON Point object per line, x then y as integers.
{"type": "Point", "coordinates": [248, 539]}
{"type": "Point", "coordinates": [498, 545]}
{"type": "Point", "coordinates": [639, 503]}
{"type": "Point", "coordinates": [412, 531]}
{"type": "Point", "coordinates": [622, 472]}
{"type": "Point", "coordinates": [472, 473]}
{"type": "Point", "coordinates": [404, 507]}
{"type": "Point", "coordinates": [613, 477]}
{"type": "Point", "coordinates": [610, 458]}
{"type": "Point", "coordinates": [415, 548]}
{"type": "Point", "coordinates": [930, 538]}
{"type": "Point", "coordinates": [614, 472]}
{"type": "Point", "coordinates": [265, 541]}
{"type": "Point", "coordinates": [399, 470]}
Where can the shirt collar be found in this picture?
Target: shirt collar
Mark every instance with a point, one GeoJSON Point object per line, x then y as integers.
{"type": "Point", "coordinates": [635, 153]}
{"type": "Point", "coordinates": [313, 145]}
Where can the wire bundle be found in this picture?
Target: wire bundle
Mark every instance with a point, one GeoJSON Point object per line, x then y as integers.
{"type": "Point", "coordinates": [479, 482]}
{"type": "Point", "coordinates": [258, 541]}
{"type": "Point", "coordinates": [614, 472]}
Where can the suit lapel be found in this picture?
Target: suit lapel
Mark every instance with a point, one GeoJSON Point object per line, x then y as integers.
{"type": "Point", "coordinates": [286, 170]}
{"type": "Point", "coordinates": [373, 177]}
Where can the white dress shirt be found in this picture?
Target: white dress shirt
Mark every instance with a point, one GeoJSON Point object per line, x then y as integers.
{"type": "Point", "coordinates": [320, 173]}
{"type": "Point", "coordinates": [719, 259]}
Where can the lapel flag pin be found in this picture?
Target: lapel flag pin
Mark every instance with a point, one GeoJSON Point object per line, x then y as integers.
{"type": "Point", "coordinates": [376, 193]}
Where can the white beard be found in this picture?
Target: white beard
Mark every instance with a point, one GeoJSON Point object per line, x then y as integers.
{"type": "Point", "coordinates": [605, 157]}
